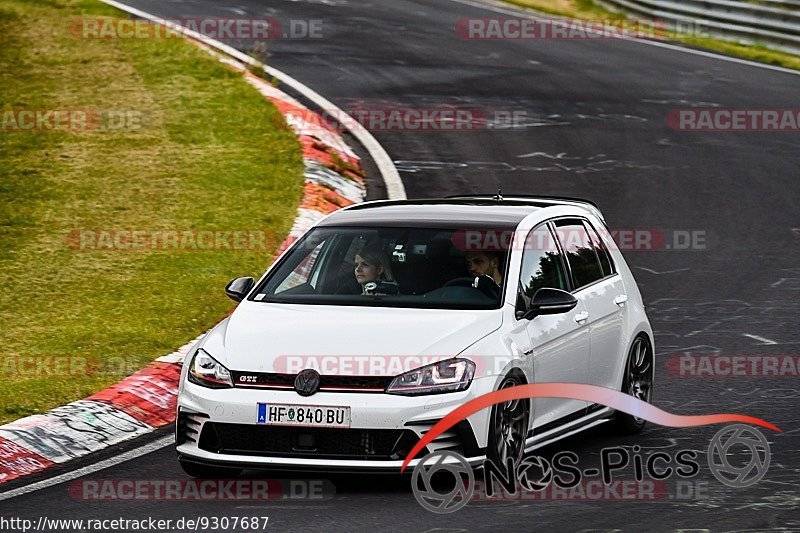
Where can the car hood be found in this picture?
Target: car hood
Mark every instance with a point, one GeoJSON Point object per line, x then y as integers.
{"type": "Point", "coordinates": [266, 337]}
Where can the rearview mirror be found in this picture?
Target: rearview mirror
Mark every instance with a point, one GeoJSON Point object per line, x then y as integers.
{"type": "Point", "coordinates": [548, 301]}
{"type": "Point", "coordinates": [238, 288]}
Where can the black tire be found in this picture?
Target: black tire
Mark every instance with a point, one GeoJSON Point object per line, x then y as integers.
{"type": "Point", "coordinates": [508, 426]}
{"type": "Point", "coordinates": [209, 472]}
{"type": "Point", "coordinates": [637, 382]}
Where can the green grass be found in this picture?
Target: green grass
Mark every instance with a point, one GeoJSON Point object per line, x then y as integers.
{"type": "Point", "coordinates": [211, 154]}
{"type": "Point", "coordinates": [587, 9]}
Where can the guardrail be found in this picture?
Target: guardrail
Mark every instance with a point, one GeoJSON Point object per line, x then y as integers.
{"type": "Point", "coordinates": [776, 25]}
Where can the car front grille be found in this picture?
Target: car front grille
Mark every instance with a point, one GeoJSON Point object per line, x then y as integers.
{"type": "Point", "coordinates": [302, 442]}
{"type": "Point", "coordinates": [277, 381]}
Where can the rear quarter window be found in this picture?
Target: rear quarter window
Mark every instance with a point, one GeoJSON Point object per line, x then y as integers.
{"type": "Point", "coordinates": [579, 251]}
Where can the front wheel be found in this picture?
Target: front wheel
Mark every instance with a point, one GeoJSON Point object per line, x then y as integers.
{"type": "Point", "coordinates": [637, 382]}
{"type": "Point", "coordinates": [508, 427]}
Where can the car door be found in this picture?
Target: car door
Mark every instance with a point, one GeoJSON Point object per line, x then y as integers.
{"type": "Point", "coordinates": [559, 343]}
{"type": "Point", "coordinates": [606, 305]}
{"type": "Point", "coordinates": [600, 289]}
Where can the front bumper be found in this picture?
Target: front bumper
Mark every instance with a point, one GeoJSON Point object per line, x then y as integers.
{"type": "Point", "coordinates": [218, 426]}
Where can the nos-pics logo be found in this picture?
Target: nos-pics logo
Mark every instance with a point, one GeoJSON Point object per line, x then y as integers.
{"type": "Point", "coordinates": [444, 482]}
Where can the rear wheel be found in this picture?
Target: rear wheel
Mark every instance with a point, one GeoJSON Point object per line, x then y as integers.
{"type": "Point", "coordinates": [508, 427]}
{"type": "Point", "coordinates": [637, 382]}
{"type": "Point", "coordinates": [208, 472]}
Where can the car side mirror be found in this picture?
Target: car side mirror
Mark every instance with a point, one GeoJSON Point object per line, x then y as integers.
{"type": "Point", "coordinates": [548, 301]}
{"type": "Point", "coordinates": [238, 288]}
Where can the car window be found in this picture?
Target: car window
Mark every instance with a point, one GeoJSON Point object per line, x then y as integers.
{"type": "Point", "coordinates": [390, 267]}
{"type": "Point", "coordinates": [541, 265]}
{"type": "Point", "coordinates": [302, 272]}
{"type": "Point", "coordinates": [582, 259]}
{"type": "Point", "coordinates": [600, 248]}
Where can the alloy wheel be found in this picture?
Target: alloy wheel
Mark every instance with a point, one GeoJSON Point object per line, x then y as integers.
{"type": "Point", "coordinates": [510, 426]}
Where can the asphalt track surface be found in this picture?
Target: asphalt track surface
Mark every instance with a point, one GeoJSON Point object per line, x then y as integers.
{"type": "Point", "coordinates": [595, 128]}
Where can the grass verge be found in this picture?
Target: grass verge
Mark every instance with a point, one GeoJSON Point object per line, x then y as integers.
{"type": "Point", "coordinates": [181, 144]}
{"type": "Point", "coordinates": [586, 9]}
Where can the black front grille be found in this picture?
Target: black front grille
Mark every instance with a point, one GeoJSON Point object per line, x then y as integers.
{"type": "Point", "coordinates": [354, 382]}
{"type": "Point", "coordinates": [331, 443]}
{"type": "Point", "coordinates": [276, 381]}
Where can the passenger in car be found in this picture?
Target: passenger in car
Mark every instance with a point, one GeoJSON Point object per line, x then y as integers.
{"type": "Point", "coordinates": [485, 263]}
{"type": "Point", "coordinates": [372, 266]}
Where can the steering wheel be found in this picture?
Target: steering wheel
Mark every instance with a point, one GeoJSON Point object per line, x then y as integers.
{"type": "Point", "coordinates": [485, 284]}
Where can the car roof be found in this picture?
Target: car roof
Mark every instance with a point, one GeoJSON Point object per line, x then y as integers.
{"type": "Point", "coordinates": [451, 212]}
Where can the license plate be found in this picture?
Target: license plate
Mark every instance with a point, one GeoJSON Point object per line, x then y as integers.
{"type": "Point", "coordinates": [279, 414]}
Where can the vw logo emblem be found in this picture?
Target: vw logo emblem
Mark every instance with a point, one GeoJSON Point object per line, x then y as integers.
{"type": "Point", "coordinates": [307, 382]}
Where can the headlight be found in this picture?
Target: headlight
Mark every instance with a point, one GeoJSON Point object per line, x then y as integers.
{"type": "Point", "coordinates": [451, 375]}
{"type": "Point", "coordinates": [206, 371]}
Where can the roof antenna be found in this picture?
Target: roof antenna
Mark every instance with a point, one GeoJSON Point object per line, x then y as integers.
{"type": "Point", "coordinates": [498, 196]}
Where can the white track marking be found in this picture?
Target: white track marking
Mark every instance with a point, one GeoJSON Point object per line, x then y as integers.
{"type": "Point", "coordinates": [533, 14]}
{"type": "Point", "coordinates": [756, 337]}
{"type": "Point", "coordinates": [394, 185]}
{"type": "Point", "coordinates": [68, 476]}
{"type": "Point", "coordinates": [665, 272]}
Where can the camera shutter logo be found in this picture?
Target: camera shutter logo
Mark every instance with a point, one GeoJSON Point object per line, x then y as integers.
{"type": "Point", "coordinates": [451, 500]}
{"type": "Point", "coordinates": [739, 436]}
{"type": "Point", "coordinates": [527, 473]}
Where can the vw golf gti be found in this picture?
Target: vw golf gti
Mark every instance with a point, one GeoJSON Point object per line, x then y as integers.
{"type": "Point", "coordinates": [386, 316]}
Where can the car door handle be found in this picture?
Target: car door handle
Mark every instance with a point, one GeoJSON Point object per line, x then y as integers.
{"type": "Point", "coordinates": [581, 317]}
{"type": "Point", "coordinates": [621, 299]}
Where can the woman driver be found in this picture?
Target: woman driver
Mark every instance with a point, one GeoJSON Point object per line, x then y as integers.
{"type": "Point", "coordinates": [372, 265]}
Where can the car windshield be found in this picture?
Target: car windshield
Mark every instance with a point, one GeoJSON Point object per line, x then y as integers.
{"type": "Point", "coordinates": [390, 267]}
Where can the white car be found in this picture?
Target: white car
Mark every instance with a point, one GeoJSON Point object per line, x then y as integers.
{"type": "Point", "coordinates": [386, 316]}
